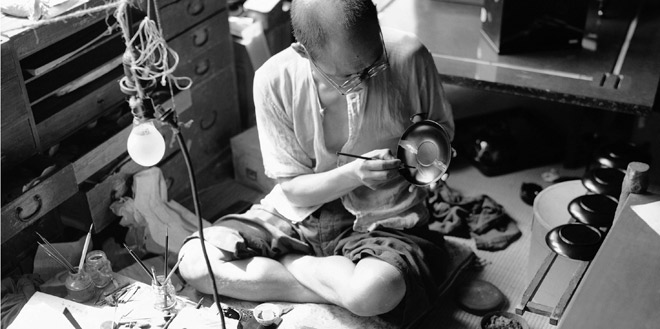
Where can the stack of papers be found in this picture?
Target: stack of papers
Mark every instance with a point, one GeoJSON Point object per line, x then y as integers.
{"type": "Point", "coordinates": [46, 311]}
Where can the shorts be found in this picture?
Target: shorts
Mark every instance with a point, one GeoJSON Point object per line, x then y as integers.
{"type": "Point", "coordinates": [418, 253]}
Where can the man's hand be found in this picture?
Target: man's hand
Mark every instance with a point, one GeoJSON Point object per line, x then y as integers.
{"type": "Point", "coordinates": [382, 168]}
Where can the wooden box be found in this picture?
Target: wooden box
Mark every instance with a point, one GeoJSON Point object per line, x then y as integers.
{"type": "Point", "coordinates": [248, 162]}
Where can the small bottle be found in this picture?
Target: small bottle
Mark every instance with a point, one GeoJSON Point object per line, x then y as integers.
{"type": "Point", "coordinates": [99, 268]}
{"type": "Point", "coordinates": [79, 286]}
{"type": "Point", "coordinates": [163, 293]}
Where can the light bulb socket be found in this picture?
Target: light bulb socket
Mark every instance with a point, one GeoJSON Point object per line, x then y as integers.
{"type": "Point", "coordinates": [143, 109]}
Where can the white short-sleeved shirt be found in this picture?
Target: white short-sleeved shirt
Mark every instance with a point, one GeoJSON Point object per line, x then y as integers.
{"type": "Point", "coordinates": [290, 125]}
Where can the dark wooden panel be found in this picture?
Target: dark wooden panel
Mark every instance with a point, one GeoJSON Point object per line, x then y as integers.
{"type": "Point", "coordinates": [92, 204]}
{"type": "Point", "coordinates": [91, 104]}
{"type": "Point", "coordinates": [8, 68]}
{"type": "Point", "coordinates": [215, 116]}
{"type": "Point", "coordinates": [29, 41]}
{"type": "Point", "coordinates": [182, 14]}
{"type": "Point", "coordinates": [13, 102]}
{"type": "Point", "coordinates": [175, 173]}
{"type": "Point", "coordinates": [199, 38]}
{"type": "Point", "coordinates": [37, 201]}
{"type": "Point", "coordinates": [204, 50]}
{"type": "Point", "coordinates": [17, 143]}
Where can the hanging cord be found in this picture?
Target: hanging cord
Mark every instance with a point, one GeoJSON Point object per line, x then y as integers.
{"type": "Point", "coordinates": [147, 57]}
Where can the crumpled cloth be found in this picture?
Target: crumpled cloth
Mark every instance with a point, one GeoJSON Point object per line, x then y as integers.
{"type": "Point", "coordinates": [480, 218]}
{"type": "Point", "coordinates": [150, 208]}
{"type": "Point", "coordinates": [15, 295]}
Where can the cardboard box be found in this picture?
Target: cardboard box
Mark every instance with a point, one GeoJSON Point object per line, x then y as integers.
{"type": "Point", "coordinates": [248, 163]}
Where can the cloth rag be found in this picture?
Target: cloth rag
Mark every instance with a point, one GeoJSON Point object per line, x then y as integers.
{"type": "Point", "coordinates": [480, 218]}
{"type": "Point", "coordinates": [150, 208]}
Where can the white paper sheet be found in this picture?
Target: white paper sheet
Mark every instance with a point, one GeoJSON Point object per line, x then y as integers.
{"type": "Point", "coordinates": [650, 213]}
{"type": "Point", "coordinates": [45, 311]}
{"type": "Point", "coordinates": [205, 318]}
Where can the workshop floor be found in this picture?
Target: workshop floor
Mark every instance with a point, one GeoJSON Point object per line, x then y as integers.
{"type": "Point", "coordinates": [506, 269]}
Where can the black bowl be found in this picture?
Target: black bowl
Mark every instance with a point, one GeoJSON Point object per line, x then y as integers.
{"type": "Point", "coordinates": [575, 241]}
{"type": "Point", "coordinates": [594, 209]}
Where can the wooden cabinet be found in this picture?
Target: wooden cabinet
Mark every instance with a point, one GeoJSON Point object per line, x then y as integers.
{"type": "Point", "coordinates": [65, 121]}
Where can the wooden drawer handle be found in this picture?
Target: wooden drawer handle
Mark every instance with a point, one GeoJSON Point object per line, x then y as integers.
{"type": "Point", "coordinates": [195, 7]}
{"type": "Point", "coordinates": [202, 67]}
{"type": "Point", "coordinates": [200, 37]}
{"type": "Point", "coordinates": [206, 125]}
{"type": "Point", "coordinates": [37, 208]}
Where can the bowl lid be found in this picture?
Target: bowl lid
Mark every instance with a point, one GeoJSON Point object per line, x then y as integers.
{"type": "Point", "coordinates": [575, 241]}
{"type": "Point", "coordinates": [604, 181]}
{"type": "Point", "coordinates": [425, 150]}
{"type": "Point", "coordinates": [595, 209]}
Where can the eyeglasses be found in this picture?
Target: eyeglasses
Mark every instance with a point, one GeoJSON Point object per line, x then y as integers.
{"type": "Point", "coordinates": [355, 80]}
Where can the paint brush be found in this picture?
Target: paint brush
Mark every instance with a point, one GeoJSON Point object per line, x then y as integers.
{"type": "Point", "coordinates": [199, 303]}
{"type": "Point", "coordinates": [56, 258]}
{"type": "Point", "coordinates": [365, 158]}
{"type": "Point", "coordinates": [144, 267]}
{"type": "Point", "coordinates": [178, 262]}
{"type": "Point", "coordinates": [167, 251]}
{"type": "Point", "coordinates": [153, 275]}
{"type": "Point", "coordinates": [85, 247]}
{"type": "Point", "coordinates": [56, 252]}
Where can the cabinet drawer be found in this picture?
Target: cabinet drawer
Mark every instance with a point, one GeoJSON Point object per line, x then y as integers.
{"type": "Point", "coordinates": [90, 106]}
{"type": "Point", "coordinates": [198, 39]}
{"type": "Point", "coordinates": [38, 201]}
{"type": "Point", "coordinates": [181, 14]}
{"type": "Point", "coordinates": [92, 204]}
{"type": "Point", "coordinates": [205, 66]}
{"type": "Point", "coordinates": [176, 177]}
{"type": "Point", "coordinates": [205, 50]}
{"type": "Point", "coordinates": [215, 116]}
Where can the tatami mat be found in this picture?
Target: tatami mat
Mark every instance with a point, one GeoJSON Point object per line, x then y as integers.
{"type": "Point", "coordinates": [507, 268]}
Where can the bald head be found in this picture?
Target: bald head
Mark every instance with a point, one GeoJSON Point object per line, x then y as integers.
{"type": "Point", "coordinates": [317, 22]}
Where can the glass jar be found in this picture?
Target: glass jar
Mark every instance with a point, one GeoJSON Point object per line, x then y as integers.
{"type": "Point", "coordinates": [99, 268]}
{"type": "Point", "coordinates": [163, 293]}
{"type": "Point", "coordinates": [79, 286]}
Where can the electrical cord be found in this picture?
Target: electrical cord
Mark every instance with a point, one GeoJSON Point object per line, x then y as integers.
{"type": "Point", "coordinates": [193, 188]}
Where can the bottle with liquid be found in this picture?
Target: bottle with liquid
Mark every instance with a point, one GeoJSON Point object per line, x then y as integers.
{"type": "Point", "coordinates": [79, 286]}
{"type": "Point", "coordinates": [98, 266]}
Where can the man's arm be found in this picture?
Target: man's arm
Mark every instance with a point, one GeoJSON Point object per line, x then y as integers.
{"type": "Point", "coordinates": [319, 188]}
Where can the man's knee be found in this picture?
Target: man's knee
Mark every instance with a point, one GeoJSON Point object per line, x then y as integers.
{"type": "Point", "coordinates": [193, 265]}
{"type": "Point", "coordinates": [375, 293]}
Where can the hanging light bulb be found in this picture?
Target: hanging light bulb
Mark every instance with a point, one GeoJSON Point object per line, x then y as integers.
{"type": "Point", "coordinates": [145, 144]}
